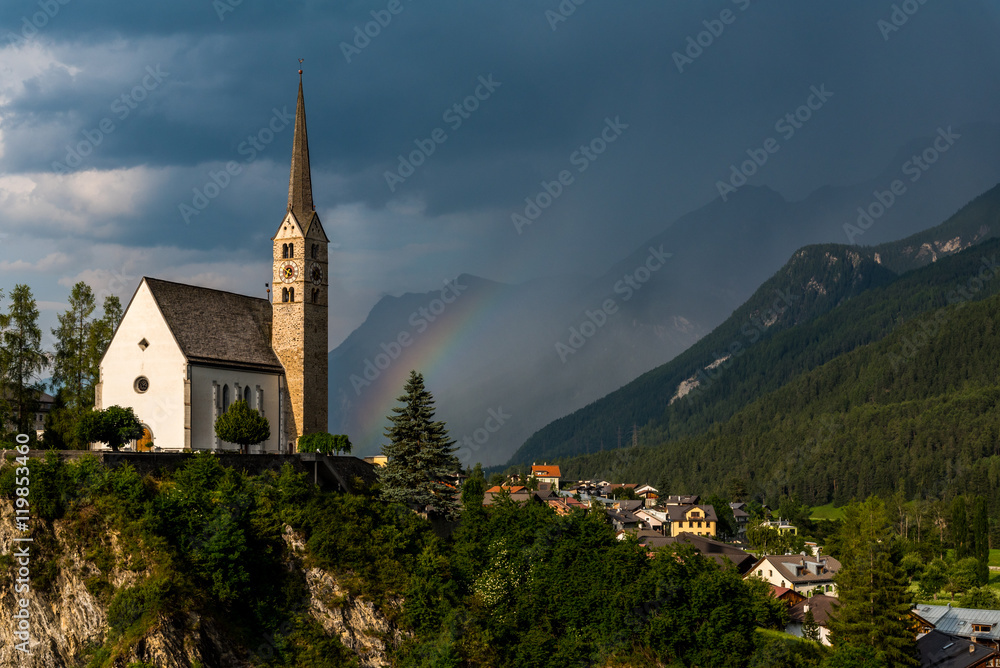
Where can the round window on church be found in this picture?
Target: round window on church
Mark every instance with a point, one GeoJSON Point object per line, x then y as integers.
{"type": "Point", "coordinates": [141, 384]}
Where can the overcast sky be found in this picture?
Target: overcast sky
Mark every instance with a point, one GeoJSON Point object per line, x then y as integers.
{"type": "Point", "coordinates": [113, 114]}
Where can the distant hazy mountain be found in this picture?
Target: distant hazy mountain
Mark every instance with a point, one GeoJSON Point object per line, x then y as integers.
{"type": "Point", "coordinates": [524, 355]}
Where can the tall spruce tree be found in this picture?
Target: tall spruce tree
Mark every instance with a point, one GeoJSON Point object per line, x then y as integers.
{"type": "Point", "coordinates": [421, 456]}
{"type": "Point", "coordinates": [22, 357]}
{"type": "Point", "coordinates": [981, 537]}
{"type": "Point", "coordinates": [100, 335]}
{"type": "Point", "coordinates": [875, 601]}
{"type": "Point", "coordinates": [73, 368]}
{"type": "Point", "coordinates": [960, 528]}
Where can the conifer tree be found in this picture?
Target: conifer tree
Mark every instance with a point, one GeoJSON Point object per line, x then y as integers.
{"type": "Point", "coordinates": [810, 629]}
{"type": "Point", "coordinates": [875, 601]}
{"type": "Point", "coordinates": [421, 456]}
{"type": "Point", "coordinates": [981, 538]}
{"type": "Point", "coordinates": [73, 368]}
{"type": "Point", "coordinates": [22, 357]}
{"type": "Point", "coordinates": [960, 528]}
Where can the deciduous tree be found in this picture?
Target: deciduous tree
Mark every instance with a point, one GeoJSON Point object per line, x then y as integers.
{"type": "Point", "coordinates": [242, 425]}
{"type": "Point", "coordinates": [115, 426]}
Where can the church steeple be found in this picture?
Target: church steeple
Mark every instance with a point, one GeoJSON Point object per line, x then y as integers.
{"type": "Point", "coordinates": [300, 198]}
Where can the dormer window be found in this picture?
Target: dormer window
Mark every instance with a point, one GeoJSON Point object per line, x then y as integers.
{"type": "Point", "coordinates": [982, 628]}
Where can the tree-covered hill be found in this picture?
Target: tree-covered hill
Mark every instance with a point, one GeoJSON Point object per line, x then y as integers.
{"type": "Point", "coordinates": [790, 325]}
{"type": "Point", "coordinates": [916, 412]}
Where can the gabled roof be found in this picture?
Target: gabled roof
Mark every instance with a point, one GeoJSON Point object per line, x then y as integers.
{"type": "Point", "coordinates": [678, 513]}
{"type": "Point", "coordinates": [716, 550]}
{"type": "Point", "coordinates": [689, 500]}
{"type": "Point", "coordinates": [546, 471]}
{"type": "Point", "coordinates": [942, 650]}
{"type": "Point", "coordinates": [822, 607]}
{"type": "Point", "coordinates": [803, 570]}
{"type": "Point", "coordinates": [217, 328]}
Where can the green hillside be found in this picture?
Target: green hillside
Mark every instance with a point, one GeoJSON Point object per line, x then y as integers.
{"type": "Point", "coordinates": [916, 412]}
{"type": "Point", "coordinates": [789, 326]}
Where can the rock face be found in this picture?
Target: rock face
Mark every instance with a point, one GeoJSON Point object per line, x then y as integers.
{"type": "Point", "coordinates": [67, 620]}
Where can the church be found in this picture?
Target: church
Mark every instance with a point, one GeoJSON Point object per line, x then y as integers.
{"type": "Point", "coordinates": [182, 353]}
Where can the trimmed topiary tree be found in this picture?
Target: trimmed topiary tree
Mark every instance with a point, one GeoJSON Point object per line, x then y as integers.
{"type": "Point", "coordinates": [115, 426]}
{"type": "Point", "coordinates": [243, 426]}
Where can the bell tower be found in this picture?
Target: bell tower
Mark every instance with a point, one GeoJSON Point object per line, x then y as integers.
{"type": "Point", "coordinates": [300, 305]}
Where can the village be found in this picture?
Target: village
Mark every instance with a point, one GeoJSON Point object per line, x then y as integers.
{"type": "Point", "coordinates": [947, 636]}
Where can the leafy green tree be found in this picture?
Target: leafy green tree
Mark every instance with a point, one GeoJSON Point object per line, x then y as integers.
{"type": "Point", "coordinates": [115, 426]}
{"type": "Point", "coordinates": [766, 539]}
{"type": "Point", "coordinates": [810, 629]}
{"type": "Point", "coordinates": [420, 455]}
{"type": "Point", "coordinates": [22, 356]}
{"type": "Point", "coordinates": [855, 656]}
{"type": "Point", "coordinates": [242, 425]}
{"type": "Point", "coordinates": [73, 366]}
{"type": "Point", "coordinates": [624, 493]}
{"type": "Point", "coordinates": [963, 575]}
{"type": "Point", "coordinates": [981, 598]}
{"type": "Point", "coordinates": [324, 443]}
{"type": "Point", "coordinates": [873, 590]}
{"type": "Point", "coordinates": [934, 578]}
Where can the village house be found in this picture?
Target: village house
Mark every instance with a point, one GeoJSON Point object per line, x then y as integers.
{"type": "Point", "coordinates": [978, 626]}
{"type": "Point", "coordinates": [681, 500]}
{"type": "Point", "coordinates": [722, 553]}
{"type": "Point", "coordinates": [944, 650]}
{"type": "Point", "coordinates": [546, 473]}
{"type": "Point", "coordinates": [699, 520]}
{"type": "Point", "coordinates": [822, 607]}
{"type": "Point", "coordinates": [805, 575]}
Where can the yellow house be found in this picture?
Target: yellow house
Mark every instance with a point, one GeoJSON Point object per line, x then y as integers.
{"type": "Point", "coordinates": [699, 520]}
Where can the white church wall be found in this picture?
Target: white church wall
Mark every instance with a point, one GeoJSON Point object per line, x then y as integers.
{"type": "Point", "coordinates": [161, 407]}
{"type": "Point", "coordinates": [206, 404]}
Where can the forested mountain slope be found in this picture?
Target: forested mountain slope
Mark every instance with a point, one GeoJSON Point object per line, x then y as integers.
{"type": "Point", "coordinates": [749, 354]}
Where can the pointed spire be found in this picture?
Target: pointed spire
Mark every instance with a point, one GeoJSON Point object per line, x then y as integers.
{"type": "Point", "coordinates": [300, 199]}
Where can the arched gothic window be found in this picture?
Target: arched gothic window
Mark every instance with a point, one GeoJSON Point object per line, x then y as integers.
{"type": "Point", "coordinates": [315, 251]}
{"type": "Point", "coordinates": [315, 295]}
{"type": "Point", "coordinates": [246, 394]}
{"type": "Point", "coordinates": [291, 250]}
{"type": "Point", "coordinates": [284, 251]}
{"type": "Point", "coordinates": [225, 398]}
{"type": "Point", "coordinates": [291, 294]}
{"type": "Point", "coordinates": [284, 294]}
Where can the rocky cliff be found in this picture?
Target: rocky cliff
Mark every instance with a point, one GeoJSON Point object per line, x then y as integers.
{"type": "Point", "coordinates": [68, 609]}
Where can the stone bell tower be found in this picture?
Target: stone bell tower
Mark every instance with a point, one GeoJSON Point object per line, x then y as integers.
{"type": "Point", "coordinates": [300, 306]}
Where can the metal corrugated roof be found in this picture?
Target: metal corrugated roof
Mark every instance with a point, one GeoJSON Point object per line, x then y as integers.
{"type": "Point", "coordinates": [959, 621]}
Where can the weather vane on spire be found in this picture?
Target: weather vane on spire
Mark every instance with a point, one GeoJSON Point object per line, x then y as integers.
{"type": "Point", "coordinates": [301, 60]}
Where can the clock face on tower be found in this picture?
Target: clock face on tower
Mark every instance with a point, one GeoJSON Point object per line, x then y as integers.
{"type": "Point", "coordinates": [317, 274]}
{"type": "Point", "coordinates": [289, 272]}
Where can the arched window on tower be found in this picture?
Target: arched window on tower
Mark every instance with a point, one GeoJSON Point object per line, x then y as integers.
{"type": "Point", "coordinates": [284, 294]}
{"type": "Point", "coordinates": [291, 250]}
{"type": "Point", "coordinates": [284, 251]}
{"type": "Point", "coordinates": [315, 295]}
{"type": "Point", "coordinates": [315, 251]}
{"type": "Point", "coordinates": [225, 398]}
{"type": "Point", "coordinates": [246, 394]}
{"type": "Point", "coordinates": [291, 294]}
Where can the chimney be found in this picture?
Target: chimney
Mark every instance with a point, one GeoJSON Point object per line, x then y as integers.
{"type": "Point", "coordinates": [805, 608]}
{"type": "Point", "coordinates": [972, 648]}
